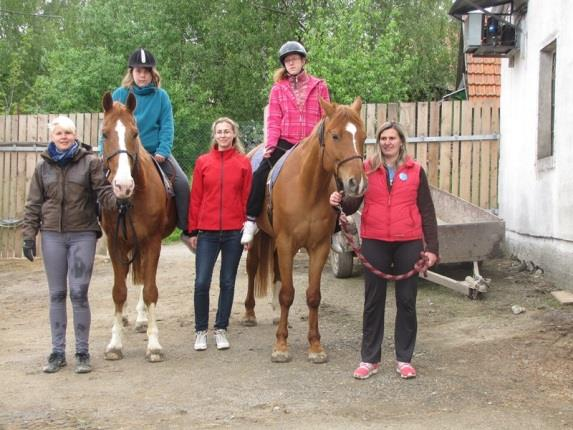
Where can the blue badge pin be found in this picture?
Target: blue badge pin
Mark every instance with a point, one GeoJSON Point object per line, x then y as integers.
{"type": "Point", "coordinates": [403, 176]}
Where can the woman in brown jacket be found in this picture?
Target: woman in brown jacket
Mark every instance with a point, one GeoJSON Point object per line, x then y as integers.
{"type": "Point", "coordinates": [61, 204]}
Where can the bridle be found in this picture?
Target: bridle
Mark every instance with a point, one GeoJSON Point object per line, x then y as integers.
{"type": "Point", "coordinates": [123, 206]}
{"type": "Point", "coordinates": [323, 147]}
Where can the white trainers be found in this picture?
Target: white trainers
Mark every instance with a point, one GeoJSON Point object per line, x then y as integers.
{"type": "Point", "coordinates": [221, 339]}
{"type": "Point", "coordinates": [249, 230]}
{"type": "Point", "coordinates": [201, 340]}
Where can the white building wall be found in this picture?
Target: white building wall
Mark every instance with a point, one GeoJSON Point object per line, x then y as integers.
{"type": "Point", "coordinates": [536, 196]}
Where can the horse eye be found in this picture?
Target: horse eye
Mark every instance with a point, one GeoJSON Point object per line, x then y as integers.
{"type": "Point", "coordinates": [335, 136]}
{"type": "Point", "coordinates": [135, 134]}
{"type": "Point", "coordinates": [104, 135]}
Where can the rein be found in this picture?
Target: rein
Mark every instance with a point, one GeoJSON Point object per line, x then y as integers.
{"type": "Point", "coordinates": [421, 266]}
{"type": "Point", "coordinates": [123, 207]}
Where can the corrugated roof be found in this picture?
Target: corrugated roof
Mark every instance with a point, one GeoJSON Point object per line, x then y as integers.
{"type": "Point", "coordinates": [483, 77]}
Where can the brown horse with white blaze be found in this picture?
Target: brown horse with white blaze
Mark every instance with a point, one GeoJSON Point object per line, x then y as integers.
{"type": "Point", "coordinates": [145, 215]}
{"type": "Point", "coordinates": [299, 216]}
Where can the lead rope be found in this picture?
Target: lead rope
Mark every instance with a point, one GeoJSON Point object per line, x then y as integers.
{"type": "Point", "coordinates": [421, 265]}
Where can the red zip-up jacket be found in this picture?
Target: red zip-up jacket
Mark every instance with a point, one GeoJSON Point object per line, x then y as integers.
{"type": "Point", "coordinates": [392, 214]}
{"type": "Point", "coordinates": [219, 192]}
{"type": "Point", "coordinates": [284, 118]}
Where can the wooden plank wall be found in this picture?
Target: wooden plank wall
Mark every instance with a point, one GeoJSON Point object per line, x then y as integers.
{"type": "Point", "coordinates": [467, 169]}
{"type": "Point", "coordinates": [17, 166]}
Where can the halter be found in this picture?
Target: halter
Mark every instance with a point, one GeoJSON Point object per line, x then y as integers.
{"type": "Point", "coordinates": [322, 145]}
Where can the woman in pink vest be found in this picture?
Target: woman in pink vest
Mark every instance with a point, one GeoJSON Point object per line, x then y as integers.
{"type": "Point", "coordinates": [398, 223]}
{"type": "Point", "coordinates": [293, 112]}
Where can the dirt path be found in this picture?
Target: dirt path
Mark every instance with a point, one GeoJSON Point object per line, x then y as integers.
{"type": "Point", "coordinates": [479, 365]}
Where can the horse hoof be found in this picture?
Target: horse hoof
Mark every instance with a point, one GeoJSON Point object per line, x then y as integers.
{"type": "Point", "coordinates": [154, 356]}
{"type": "Point", "coordinates": [113, 354]}
{"type": "Point", "coordinates": [124, 321]}
{"type": "Point", "coordinates": [141, 327]}
{"type": "Point", "coordinates": [318, 357]}
{"type": "Point", "coordinates": [249, 322]}
{"type": "Point", "coordinates": [280, 357]}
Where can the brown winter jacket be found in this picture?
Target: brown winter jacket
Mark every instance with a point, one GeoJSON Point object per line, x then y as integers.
{"type": "Point", "coordinates": [63, 199]}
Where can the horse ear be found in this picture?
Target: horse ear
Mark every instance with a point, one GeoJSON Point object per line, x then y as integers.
{"type": "Point", "coordinates": [130, 102]}
{"type": "Point", "coordinates": [327, 107]}
{"type": "Point", "coordinates": [107, 101]}
{"type": "Point", "coordinates": [357, 104]}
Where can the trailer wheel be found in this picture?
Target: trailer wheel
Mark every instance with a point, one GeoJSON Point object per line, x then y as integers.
{"type": "Point", "coordinates": [341, 264]}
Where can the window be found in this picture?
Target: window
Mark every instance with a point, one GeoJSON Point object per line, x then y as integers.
{"type": "Point", "coordinates": [546, 114]}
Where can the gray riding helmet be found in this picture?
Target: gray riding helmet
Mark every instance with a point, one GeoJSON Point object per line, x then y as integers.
{"type": "Point", "coordinates": [291, 47]}
{"type": "Point", "coordinates": [141, 58]}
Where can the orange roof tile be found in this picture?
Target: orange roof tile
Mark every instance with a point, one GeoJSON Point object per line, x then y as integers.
{"type": "Point", "coordinates": [483, 77]}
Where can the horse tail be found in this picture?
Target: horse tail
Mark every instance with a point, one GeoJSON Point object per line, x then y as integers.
{"type": "Point", "coordinates": [137, 268]}
{"type": "Point", "coordinates": [266, 261]}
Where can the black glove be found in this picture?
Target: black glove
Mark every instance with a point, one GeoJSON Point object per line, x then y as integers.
{"type": "Point", "coordinates": [29, 249]}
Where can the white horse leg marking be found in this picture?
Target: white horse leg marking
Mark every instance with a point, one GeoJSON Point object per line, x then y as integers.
{"type": "Point", "coordinates": [122, 182]}
{"type": "Point", "coordinates": [154, 350]}
{"type": "Point", "coordinates": [141, 319]}
{"type": "Point", "coordinates": [115, 344]}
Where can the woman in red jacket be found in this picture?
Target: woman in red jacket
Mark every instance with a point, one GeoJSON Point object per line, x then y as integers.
{"type": "Point", "coordinates": [293, 112]}
{"type": "Point", "coordinates": [221, 185]}
{"type": "Point", "coordinates": [398, 223]}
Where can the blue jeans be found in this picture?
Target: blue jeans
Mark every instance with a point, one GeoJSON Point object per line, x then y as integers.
{"type": "Point", "coordinates": [209, 244]}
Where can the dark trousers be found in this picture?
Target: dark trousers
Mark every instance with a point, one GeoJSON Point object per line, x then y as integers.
{"type": "Point", "coordinates": [395, 258]}
{"type": "Point", "coordinates": [209, 245]}
{"type": "Point", "coordinates": [257, 194]}
{"type": "Point", "coordinates": [180, 180]}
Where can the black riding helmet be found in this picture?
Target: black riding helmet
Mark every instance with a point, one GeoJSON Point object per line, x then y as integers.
{"type": "Point", "coordinates": [141, 58]}
{"type": "Point", "coordinates": [291, 47]}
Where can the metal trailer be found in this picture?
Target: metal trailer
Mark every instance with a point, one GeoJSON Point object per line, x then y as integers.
{"type": "Point", "coordinates": [466, 232]}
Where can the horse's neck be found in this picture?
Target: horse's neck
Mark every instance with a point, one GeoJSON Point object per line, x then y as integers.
{"type": "Point", "coordinates": [312, 169]}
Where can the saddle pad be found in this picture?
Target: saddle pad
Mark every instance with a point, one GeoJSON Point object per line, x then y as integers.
{"type": "Point", "coordinates": [274, 173]}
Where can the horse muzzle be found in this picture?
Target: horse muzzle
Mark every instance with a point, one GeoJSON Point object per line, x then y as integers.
{"type": "Point", "coordinates": [123, 189]}
{"type": "Point", "coordinates": [355, 187]}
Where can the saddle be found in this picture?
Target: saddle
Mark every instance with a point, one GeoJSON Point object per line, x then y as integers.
{"type": "Point", "coordinates": [166, 181]}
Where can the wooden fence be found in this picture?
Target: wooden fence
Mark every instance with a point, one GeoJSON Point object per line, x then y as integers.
{"type": "Point", "coordinates": [456, 142]}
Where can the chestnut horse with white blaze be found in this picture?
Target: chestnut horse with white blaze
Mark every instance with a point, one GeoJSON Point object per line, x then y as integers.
{"type": "Point", "coordinates": [298, 215]}
{"type": "Point", "coordinates": [145, 215]}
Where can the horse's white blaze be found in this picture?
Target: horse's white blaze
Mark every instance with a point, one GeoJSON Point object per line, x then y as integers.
{"type": "Point", "coordinates": [140, 309]}
{"type": "Point", "coordinates": [122, 180]}
{"type": "Point", "coordinates": [351, 128]}
{"type": "Point", "coordinates": [116, 333]}
{"type": "Point", "coordinates": [152, 330]}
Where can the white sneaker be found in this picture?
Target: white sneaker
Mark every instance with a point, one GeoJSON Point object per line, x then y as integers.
{"type": "Point", "coordinates": [221, 339]}
{"type": "Point", "coordinates": [249, 230]}
{"type": "Point", "coordinates": [201, 340]}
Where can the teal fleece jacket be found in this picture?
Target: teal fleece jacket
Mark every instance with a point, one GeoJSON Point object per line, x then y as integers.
{"type": "Point", "coordinates": [154, 117]}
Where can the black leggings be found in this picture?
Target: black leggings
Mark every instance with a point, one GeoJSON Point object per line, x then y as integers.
{"type": "Point", "coordinates": [395, 258]}
{"type": "Point", "coordinates": [257, 194]}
